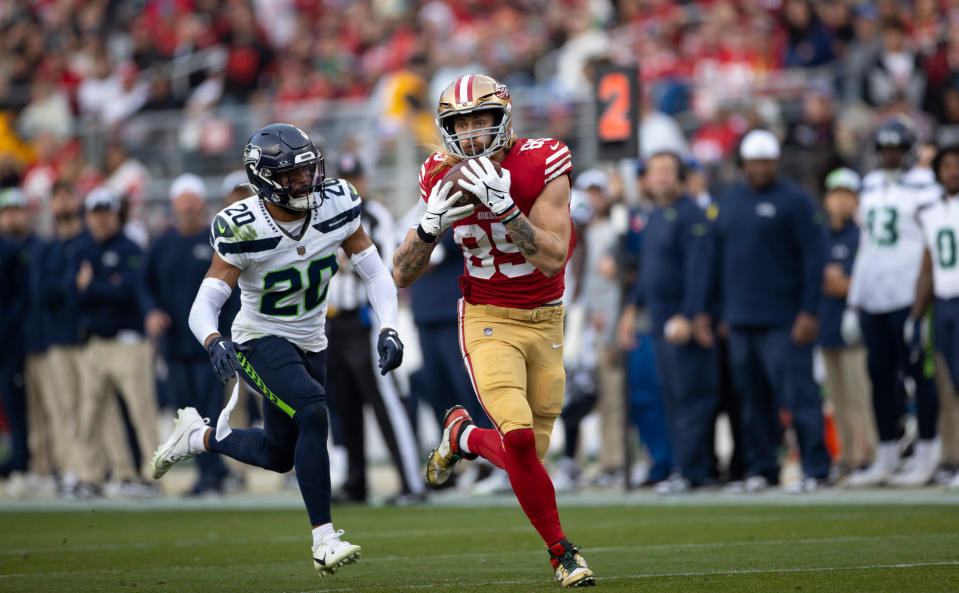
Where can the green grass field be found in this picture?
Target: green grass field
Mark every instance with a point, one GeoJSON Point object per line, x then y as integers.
{"type": "Point", "coordinates": [631, 547]}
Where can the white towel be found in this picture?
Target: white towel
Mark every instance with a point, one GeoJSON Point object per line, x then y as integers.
{"type": "Point", "coordinates": [223, 429]}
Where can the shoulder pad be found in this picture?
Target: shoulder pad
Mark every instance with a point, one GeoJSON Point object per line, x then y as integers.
{"type": "Point", "coordinates": [341, 204]}
{"type": "Point", "coordinates": [239, 228]}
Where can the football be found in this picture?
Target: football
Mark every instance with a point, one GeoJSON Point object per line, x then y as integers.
{"type": "Point", "coordinates": [454, 174]}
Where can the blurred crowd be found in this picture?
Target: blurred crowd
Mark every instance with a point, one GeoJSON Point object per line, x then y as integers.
{"type": "Point", "coordinates": [83, 85]}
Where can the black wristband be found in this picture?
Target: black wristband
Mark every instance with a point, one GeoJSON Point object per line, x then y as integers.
{"type": "Point", "coordinates": [424, 236]}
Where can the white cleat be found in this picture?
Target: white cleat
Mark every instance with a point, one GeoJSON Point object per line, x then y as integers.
{"type": "Point", "coordinates": [177, 447]}
{"type": "Point", "coordinates": [332, 553]}
{"type": "Point", "coordinates": [877, 474]}
{"type": "Point", "coordinates": [921, 467]}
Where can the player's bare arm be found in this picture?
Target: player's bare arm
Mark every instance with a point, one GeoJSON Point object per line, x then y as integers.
{"type": "Point", "coordinates": [543, 236]}
{"type": "Point", "coordinates": [357, 242]}
{"type": "Point", "coordinates": [411, 259]}
{"type": "Point", "coordinates": [924, 287]}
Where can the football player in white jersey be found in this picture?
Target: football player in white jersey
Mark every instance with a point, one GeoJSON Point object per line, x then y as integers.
{"type": "Point", "coordinates": [939, 276]}
{"type": "Point", "coordinates": [280, 247]}
{"type": "Point", "coordinates": [882, 290]}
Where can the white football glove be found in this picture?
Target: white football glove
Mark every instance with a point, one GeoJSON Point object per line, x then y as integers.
{"type": "Point", "coordinates": [440, 213]}
{"type": "Point", "coordinates": [490, 187]}
{"type": "Point", "coordinates": [849, 327]}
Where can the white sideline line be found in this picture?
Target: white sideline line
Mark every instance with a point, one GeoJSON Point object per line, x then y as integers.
{"type": "Point", "coordinates": [596, 550]}
{"type": "Point", "coordinates": [58, 549]}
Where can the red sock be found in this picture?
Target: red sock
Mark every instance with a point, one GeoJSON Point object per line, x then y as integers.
{"type": "Point", "coordinates": [531, 484]}
{"type": "Point", "coordinates": [487, 444]}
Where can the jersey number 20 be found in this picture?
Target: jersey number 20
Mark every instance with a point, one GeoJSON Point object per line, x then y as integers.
{"type": "Point", "coordinates": [318, 274]}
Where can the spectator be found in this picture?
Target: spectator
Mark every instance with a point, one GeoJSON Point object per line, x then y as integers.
{"type": "Point", "coordinates": [809, 148]}
{"type": "Point", "coordinates": [48, 111]}
{"type": "Point", "coordinates": [847, 385]}
{"type": "Point", "coordinates": [673, 283]}
{"type": "Point", "coordinates": [810, 43]}
{"type": "Point", "coordinates": [115, 357]}
{"type": "Point", "coordinates": [176, 264]}
{"type": "Point", "coordinates": [769, 241]}
{"type": "Point", "coordinates": [896, 72]}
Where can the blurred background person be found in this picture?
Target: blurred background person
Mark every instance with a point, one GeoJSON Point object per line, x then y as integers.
{"type": "Point", "coordinates": [882, 290]}
{"type": "Point", "coordinates": [674, 284]}
{"type": "Point", "coordinates": [61, 312]}
{"type": "Point", "coordinates": [634, 335]}
{"type": "Point", "coordinates": [22, 337]}
{"type": "Point", "coordinates": [352, 380]}
{"type": "Point", "coordinates": [176, 264]}
{"type": "Point", "coordinates": [770, 260]}
{"type": "Point", "coordinates": [847, 384]}
{"type": "Point", "coordinates": [116, 359]}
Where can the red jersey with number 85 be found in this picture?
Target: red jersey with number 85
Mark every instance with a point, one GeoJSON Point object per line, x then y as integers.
{"type": "Point", "coordinates": [495, 271]}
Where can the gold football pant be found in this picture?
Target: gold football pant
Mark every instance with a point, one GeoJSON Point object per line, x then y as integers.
{"type": "Point", "coordinates": [515, 360]}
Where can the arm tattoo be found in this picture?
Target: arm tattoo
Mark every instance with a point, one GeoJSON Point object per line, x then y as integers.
{"type": "Point", "coordinates": [523, 235]}
{"type": "Point", "coordinates": [412, 257]}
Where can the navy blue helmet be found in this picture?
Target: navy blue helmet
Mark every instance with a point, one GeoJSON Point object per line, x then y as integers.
{"type": "Point", "coordinates": [895, 133]}
{"type": "Point", "coordinates": [273, 158]}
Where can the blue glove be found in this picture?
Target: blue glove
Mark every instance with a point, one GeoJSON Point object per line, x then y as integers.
{"type": "Point", "coordinates": [223, 357]}
{"type": "Point", "coordinates": [390, 349]}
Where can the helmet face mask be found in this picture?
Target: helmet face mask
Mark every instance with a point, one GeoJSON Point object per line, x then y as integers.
{"type": "Point", "coordinates": [473, 94]}
{"type": "Point", "coordinates": [285, 168]}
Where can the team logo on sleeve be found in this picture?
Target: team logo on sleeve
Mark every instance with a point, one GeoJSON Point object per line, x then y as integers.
{"type": "Point", "coordinates": [221, 228]}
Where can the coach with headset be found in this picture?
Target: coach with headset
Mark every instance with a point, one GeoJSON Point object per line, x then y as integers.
{"type": "Point", "coordinates": [769, 263]}
{"type": "Point", "coordinates": [673, 283]}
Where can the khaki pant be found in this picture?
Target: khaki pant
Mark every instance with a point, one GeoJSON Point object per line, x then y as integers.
{"type": "Point", "coordinates": [108, 367]}
{"type": "Point", "coordinates": [948, 413]}
{"type": "Point", "coordinates": [848, 388]}
{"type": "Point", "coordinates": [40, 433]}
{"type": "Point", "coordinates": [612, 409]}
{"type": "Point", "coordinates": [515, 359]}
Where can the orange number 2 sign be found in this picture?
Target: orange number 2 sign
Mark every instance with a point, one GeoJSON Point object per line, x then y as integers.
{"type": "Point", "coordinates": [614, 91]}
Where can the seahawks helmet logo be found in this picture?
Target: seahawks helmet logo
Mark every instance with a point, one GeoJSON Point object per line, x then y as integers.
{"type": "Point", "coordinates": [252, 155]}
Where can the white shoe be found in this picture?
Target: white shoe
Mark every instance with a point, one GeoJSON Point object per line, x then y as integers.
{"type": "Point", "coordinates": [332, 553]}
{"type": "Point", "coordinates": [887, 458]}
{"type": "Point", "coordinates": [804, 485]}
{"type": "Point", "coordinates": [921, 467]}
{"type": "Point", "coordinates": [954, 483]}
{"type": "Point", "coordinates": [497, 482]}
{"type": "Point", "coordinates": [750, 485]}
{"type": "Point", "coordinates": [566, 478]}
{"type": "Point", "coordinates": [674, 484]}
{"type": "Point", "coordinates": [177, 447]}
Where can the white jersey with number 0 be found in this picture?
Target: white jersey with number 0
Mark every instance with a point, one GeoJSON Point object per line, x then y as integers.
{"type": "Point", "coordinates": [284, 280]}
{"type": "Point", "coordinates": [940, 226]}
{"type": "Point", "coordinates": [891, 243]}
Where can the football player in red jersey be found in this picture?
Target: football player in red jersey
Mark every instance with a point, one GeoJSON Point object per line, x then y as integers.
{"type": "Point", "coordinates": [516, 240]}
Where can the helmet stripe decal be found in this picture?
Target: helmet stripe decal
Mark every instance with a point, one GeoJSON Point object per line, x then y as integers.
{"type": "Point", "coordinates": [463, 82]}
{"type": "Point", "coordinates": [469, 88]}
